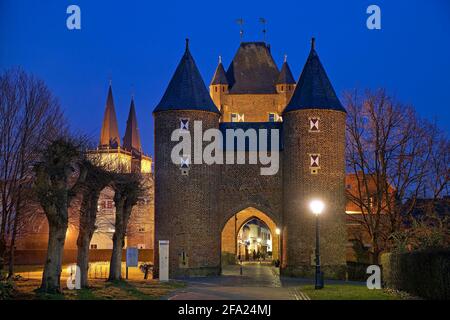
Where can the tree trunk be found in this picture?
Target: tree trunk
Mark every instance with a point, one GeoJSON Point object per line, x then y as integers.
{"type": "Point", "coordinates": [115, 268]}
{"type": "Point", "coordinates": [83, 242]}
{"type": "Point", "coordinates": [88, 215]}
{"type": "Point", "coordinates": [12, 251]}
{"type": "Point", "coordinates": [55, 250]}
{"type": "Point", "coordinates": [375, 254]}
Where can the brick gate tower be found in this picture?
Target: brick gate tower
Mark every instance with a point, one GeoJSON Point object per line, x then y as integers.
{"type": "Point", "coordinates": [195, 202]}
{"type": "Point", "coordinates": [184, 197]}
{"type": "Point", "coordinates": [314, 168]}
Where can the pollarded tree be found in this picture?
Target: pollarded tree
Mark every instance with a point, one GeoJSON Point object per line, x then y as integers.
{"type": "Point", "coordinates": [97, 178]}
{"type": "Point", "coordinates": [128, 189]}
{"type": "Point", "coordinates": [55, 182]}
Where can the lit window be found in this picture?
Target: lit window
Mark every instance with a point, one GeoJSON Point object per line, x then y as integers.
{"type": "Point", "coordinates": [274, 117]}
{"type": "Point", "coordinates": [271, 117]}
{"type": "Point", "coordinates": [236, 117]}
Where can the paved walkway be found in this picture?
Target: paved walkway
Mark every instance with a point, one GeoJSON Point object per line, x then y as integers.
{"type": "Point", "coordinates": [257, 282]}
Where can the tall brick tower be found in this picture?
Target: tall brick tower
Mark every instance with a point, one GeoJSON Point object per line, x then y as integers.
{"type": "Point", "coordinates": [314, 168]}
{"type": "Point", "coordinates": [185, 201]}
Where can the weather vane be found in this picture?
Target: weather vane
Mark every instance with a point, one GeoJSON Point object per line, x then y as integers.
{"type": "Point", "coordinates": [240, 22]}
{"type": "Point", "coordinates": [264, 31]}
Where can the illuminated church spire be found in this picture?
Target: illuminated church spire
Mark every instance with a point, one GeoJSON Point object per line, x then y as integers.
{"type": "Point", "coordinates": [109, 137]}
{"type": "Point", "coordinates": [131, 140]}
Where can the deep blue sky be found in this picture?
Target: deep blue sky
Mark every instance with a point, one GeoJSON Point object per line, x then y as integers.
{"type": "Point", "coordinates": [139, 44]}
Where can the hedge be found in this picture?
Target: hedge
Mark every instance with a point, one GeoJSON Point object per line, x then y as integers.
{"type": "Point", "coordinates": [424, 274]}
{"type": "Point", "coordinates": [357, 271]}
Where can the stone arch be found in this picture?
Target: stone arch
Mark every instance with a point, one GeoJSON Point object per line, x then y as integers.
{"type": "Point", "coordinates": [230, 229]}
{"type": "Point", "coordinates": [229, 213]}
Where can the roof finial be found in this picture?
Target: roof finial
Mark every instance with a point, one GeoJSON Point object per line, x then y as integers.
{"type": "Point", "coordinates": [264, 31]}
{"type": "Point", "coordinates": [220, 59]}
{"type": "Point", "coordinates": [285, 58]}
{"type": "Point", "coordinates": [240, 22]}
{"type": "Point", "coordinates": [187, 44]}
{"type": "Point", "coordinates": [313, 43]}
{"type": "Point", "coordinates": [132, 91]}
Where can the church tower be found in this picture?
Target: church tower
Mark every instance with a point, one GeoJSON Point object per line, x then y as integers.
{"type": "Point", "coordinates": [109, 137]}
{"type": "Point", "coordinates": [185, 203]}
{"type": "Point", "coordinates": [218, 87]}
{"type": "Point", "coordinates": [314, 168]}
{"type": "Point", "coordinates": [132, 140]}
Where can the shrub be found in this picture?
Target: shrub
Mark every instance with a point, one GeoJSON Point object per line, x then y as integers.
{"type": "Point", "coordinates": [7, 290]}
{"type": "Point", "coordinates": [424, 273]}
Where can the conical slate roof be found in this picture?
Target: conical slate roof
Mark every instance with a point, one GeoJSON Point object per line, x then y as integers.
{"type": "Point", "coordinates": [285, 76]}
{"type": "Point", "coordinates": [314, 89]}
{"type": "Point", "coordinates": [219, 76]}
{"type": "Point", "coordinates": [109, 136]}
{"type": "Point", "coordinates": [252, 70]}
{"type": "Point", "coordinates": [132, 140]}
{"type": "Point", "coordinates": [186, 89]}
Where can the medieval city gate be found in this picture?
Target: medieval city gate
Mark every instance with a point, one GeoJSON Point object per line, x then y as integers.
{"type": "Point", "coordinates": [194, 201]}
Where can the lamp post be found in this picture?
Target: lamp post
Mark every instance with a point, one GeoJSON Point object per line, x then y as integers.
{"type": "Point", "coordinates": [317, 207]}
{"type": "Point", "coordinates": [278, 232]}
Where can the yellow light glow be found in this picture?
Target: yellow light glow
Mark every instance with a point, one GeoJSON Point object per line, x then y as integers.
{"type": "Point", "coordinates": [316, 206]}
{"type": "Point", "coordinates": [277, 231]}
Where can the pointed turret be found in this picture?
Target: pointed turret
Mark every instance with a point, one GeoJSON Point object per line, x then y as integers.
{"type": "Point", "coordinates": [186, 89]}
{"type": "Point", "coordinates": [220, 77]}
{"type": "Point", "coordinates": [314, 89]}
{"type": "Point", "coordinates": [109, 137]}
{"type": "Point", "coordinates": [285, 76]}
{"type": "Point", "coordinates": [132, 140]}
{"type": "Point", "coordinates": [285, 83]}
{"type": "Point", "coordinates": [219, 85]}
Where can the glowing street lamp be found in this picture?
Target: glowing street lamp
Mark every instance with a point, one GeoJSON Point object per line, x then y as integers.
{"type": "Point", "coordinates": [278, 233]}
{"type": "Point", "coordinates": [317, 207]}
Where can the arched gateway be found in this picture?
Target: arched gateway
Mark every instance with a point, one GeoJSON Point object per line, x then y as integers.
{"type": "Point", "coordinates": [298, 126]}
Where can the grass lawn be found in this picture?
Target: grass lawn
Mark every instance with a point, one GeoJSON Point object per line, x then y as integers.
{"type": "Point", "coordinates": [101, 290]}
{"type": "Point", "coordinates": [349, 292]}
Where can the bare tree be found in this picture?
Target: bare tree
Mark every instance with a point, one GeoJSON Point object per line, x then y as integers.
{"type": "Point", "coordinates": [55, 186]}
{"type": "Point", "coordinates": [128, 188]}
{"type": "Point", "coordinates": [29, 116]}
{"type": "Point", "coordinates": [388, 151]}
